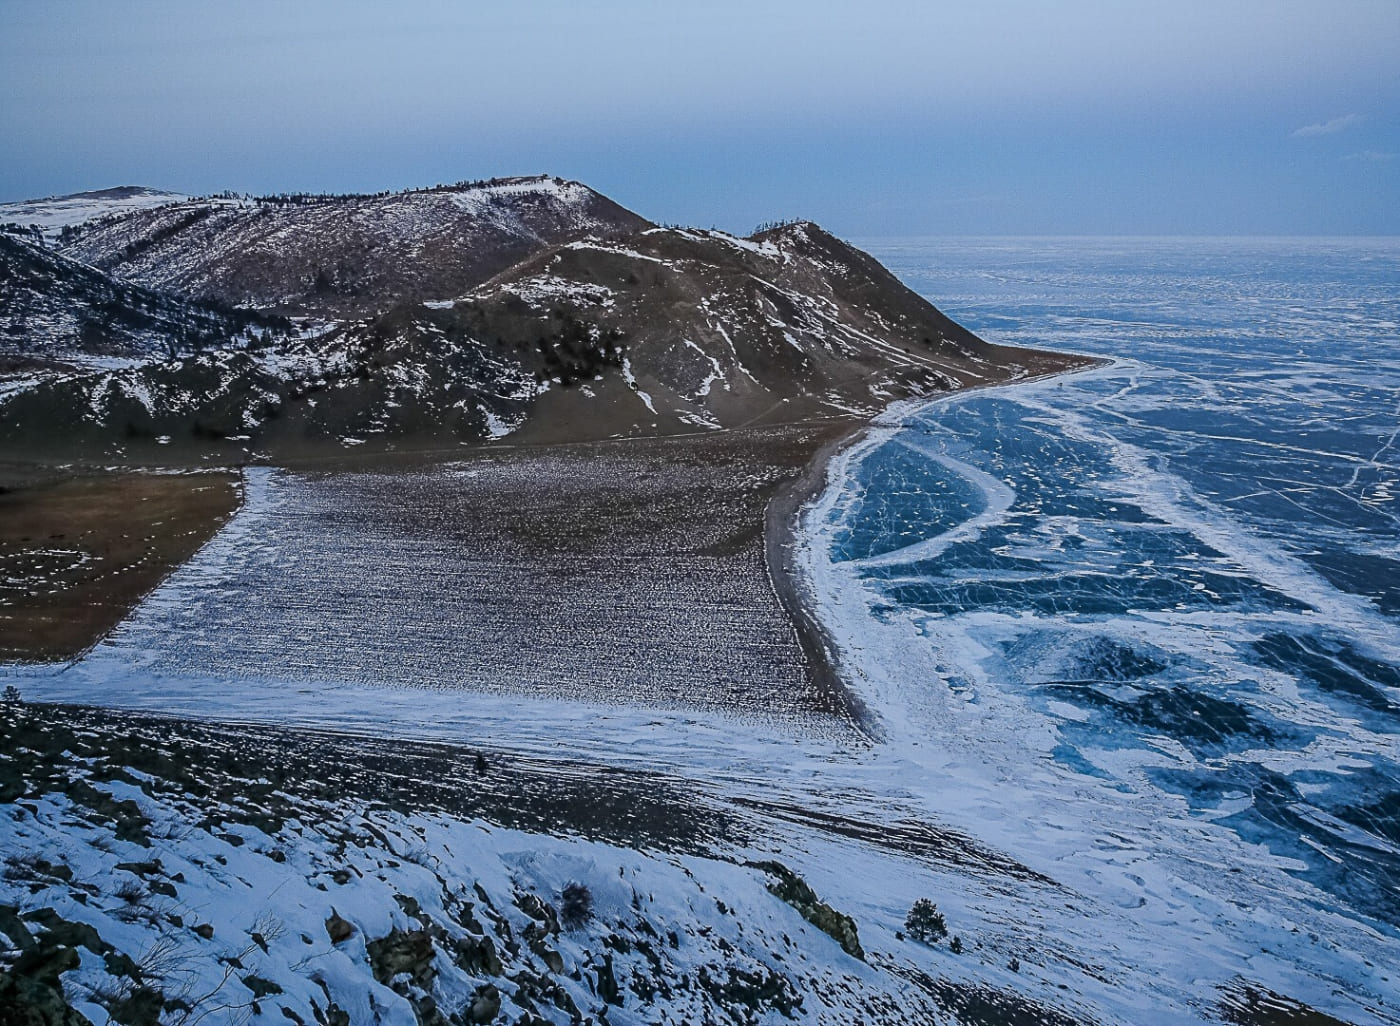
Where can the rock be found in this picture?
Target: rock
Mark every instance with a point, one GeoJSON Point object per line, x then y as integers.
{"type": "Point", "coordinates": [486, 1004]}
{"type": "Point", "coordinates": [62, 932]}
{"type": "Point", "coordinates": [608, 989]}
{"type": "Point", "coordinates": [541, 911]}
{"type": "Point", "coordinates": [410, 952]}
{"type": "Point", "coordinates": [205, 930]}
{"type": "Point", "coordinates": [260, 986]}
{"type": "Point", "coordinates": [142, 1007]}
{"type": "Point", "coordinates": [791, 888]}
{"type": "Point", "coordinates": [119, 963]}
{"type": "Point", "coordinates": [13, 927]}
{"type": "Point", "coordinates": [477, 955]}
{"type": "Point", "coordinates": [553, 959]}
{"type": "Point", "coordinates": [26, 1001]}
{"type": "Point", "coordinates": [338, 929]}
{"type": "Point", "coordinates": [46, 963]}
{"type": "Point", "coordinates": [149, 868]}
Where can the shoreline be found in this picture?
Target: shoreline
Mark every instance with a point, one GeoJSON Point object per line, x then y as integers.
{"type": "Point", "coordinates": [783, 535]}
{"type": "Point", "coordinates": [793, 633]}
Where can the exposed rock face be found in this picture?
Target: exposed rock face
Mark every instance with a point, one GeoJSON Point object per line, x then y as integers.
{"type": "Point", "coordinates": [407, 953]}
{"type": "Point", "coordinates": [335, 256]}
{"type": "Point", "coordinates": [791, 888]}
{"type": "Point", "coordinates": [338, 929]}
{"type": "Point", "coordinates": [31, 993]}
{"type": "Point", "coordinates": [486, 1004]}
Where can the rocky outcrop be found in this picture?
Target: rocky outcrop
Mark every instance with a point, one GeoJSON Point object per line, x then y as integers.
{"type": "Point", "coordinates": [791, 888]}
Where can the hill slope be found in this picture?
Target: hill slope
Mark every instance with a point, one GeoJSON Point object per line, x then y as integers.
{"type": "Point", "coordinates": [658, 332]}
{"type": "Point", "coordinates": [335, 256]}
{"type": "Point", "coordinates": [58, 315]}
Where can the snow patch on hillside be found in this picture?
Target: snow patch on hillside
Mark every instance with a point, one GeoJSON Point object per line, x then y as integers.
{"type": "Point", "coordinates": [57, 212]}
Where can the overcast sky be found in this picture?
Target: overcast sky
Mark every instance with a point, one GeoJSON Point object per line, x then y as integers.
{"type": "Point", "coordinates": [879, 117]}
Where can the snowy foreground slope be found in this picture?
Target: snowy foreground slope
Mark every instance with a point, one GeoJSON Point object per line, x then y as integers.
{"type": "Point", "coordinates": [142, 885]}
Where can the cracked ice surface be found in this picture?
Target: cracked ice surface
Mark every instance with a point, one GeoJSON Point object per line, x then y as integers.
{"type": "Point", "coordinates": [1148, 617]}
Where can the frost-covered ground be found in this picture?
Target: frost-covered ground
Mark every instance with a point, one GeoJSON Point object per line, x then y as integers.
{"type": "Point", "coordinates": [164, 872]}
{"type": "Point", "coordinates": [618, 573]}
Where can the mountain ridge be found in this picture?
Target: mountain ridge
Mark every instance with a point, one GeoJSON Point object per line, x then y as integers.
{"type": "Point", "coordinates": [343, 255]}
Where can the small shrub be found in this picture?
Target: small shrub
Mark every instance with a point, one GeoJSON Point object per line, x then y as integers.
{"type": "Point", "coordinates": [925, 923]}
{"type": "Point", "coordinates": [956, 946]}
{"type": "Point", "coordinates": [575, 905]}
{"type": "Point", "coordinates": [132, 892]}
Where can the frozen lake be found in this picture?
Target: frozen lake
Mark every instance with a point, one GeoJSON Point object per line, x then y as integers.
{"type": "Point", "coordinates": [1150, 614]}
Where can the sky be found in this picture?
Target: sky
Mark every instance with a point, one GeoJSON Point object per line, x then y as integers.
{"type": "Point", "coordinates": [875, 118]}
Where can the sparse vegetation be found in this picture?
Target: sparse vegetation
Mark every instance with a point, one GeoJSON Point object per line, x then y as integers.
{"type": "Point", "coordinates": [132, 892]}
{"type": "Point", "coordinates": [575, 905]}
{"type": "Point", "coordinates": [925, 923]}
{"type": "Point", "coordinates": [769, 226]}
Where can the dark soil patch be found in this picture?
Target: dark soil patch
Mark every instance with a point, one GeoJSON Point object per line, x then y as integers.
{"type": "Point", "coordinates": [76, 554]}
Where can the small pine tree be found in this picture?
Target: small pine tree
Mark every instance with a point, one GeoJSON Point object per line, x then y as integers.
{"type": "Point", "coordinates": [12, 697]}
{"type": "Point", "coordinates": [575, 905]}
{"type": "Point", "coordinates": [925, 923]}
{"type": "Point", "coordinates": [955, 946]}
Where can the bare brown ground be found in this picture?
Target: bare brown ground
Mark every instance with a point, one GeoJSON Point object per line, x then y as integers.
{"type": "Point", "coordinates": [77, 553]}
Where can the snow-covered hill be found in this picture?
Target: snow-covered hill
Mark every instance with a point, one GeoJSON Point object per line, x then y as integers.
{"type": "Point", "coordinates": [54, 213]}
{"type": "Point", "coordinates": [344, 255]}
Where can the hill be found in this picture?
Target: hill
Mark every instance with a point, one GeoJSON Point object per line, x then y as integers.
{"type": "Point", "coordinates": [661, 331]}
{"type": "Point", "coordinates": [338, 256]}
{"type": "Point", "coordinates": [54, 213]}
